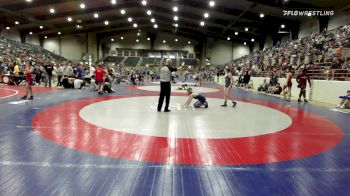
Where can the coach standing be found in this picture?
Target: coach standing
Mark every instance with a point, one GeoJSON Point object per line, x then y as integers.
{"type": "Point", "coordinates": [165, 87]}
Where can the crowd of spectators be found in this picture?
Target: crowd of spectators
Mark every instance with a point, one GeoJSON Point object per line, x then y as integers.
{"type": "Point", "coordinates": [316, 51]}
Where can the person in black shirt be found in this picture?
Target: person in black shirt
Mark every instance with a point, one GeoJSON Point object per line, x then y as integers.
{"type": "Point", "coordinates": [49, 69]}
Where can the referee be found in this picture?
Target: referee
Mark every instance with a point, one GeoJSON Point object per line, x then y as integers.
{"type": "Point", "coordinates": [165, 87]}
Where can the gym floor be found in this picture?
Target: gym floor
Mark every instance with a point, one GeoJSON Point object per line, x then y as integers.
{"type": "Point", "coordinates": [74, 142]}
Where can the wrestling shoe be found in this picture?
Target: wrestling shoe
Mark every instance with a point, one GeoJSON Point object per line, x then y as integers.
{"type": "Point", "coordinates": [234, 104]}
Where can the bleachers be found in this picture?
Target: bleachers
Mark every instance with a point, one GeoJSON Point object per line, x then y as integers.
{"type": "Point", "coordinates": [131, 61]}
{"type": "Point", "coordinates": [150, 61]}
{"type": "Point", "coordinates": [318, 52]}
{"type": "Point", "coordinates": [113, 59]}
{"type": "Point", "coordinates": [192, 62]}
{"type": "Point", "coordinates": [12, 49]}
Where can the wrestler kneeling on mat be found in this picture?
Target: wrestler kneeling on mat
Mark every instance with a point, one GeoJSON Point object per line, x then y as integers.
{"type": "Point", "coordinates": [192, 95]}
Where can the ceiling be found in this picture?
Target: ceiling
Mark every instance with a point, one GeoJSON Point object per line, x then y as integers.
{"type": "Point", "coordinates": [225, 18]}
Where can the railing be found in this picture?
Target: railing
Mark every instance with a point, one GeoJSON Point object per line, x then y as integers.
{"type": "Point", "coordinates": [315, 74]}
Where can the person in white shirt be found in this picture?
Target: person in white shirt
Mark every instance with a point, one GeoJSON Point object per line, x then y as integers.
{"type": "Point", "coordinates": [165, 86]}
{"type": "Point", "coordinates": [91, 71]}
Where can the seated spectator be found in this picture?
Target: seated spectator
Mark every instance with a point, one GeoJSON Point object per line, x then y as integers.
{"type": "Point", "coordinates": [78, 84]}
{"type": "Point", "coordinates": [263, 87]}
{"type": "Point", "coordinates": [277, 89]}
{"type": "Point", "coordinates": [345, 101]}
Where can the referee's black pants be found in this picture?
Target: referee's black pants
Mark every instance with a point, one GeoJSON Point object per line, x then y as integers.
{"type": "Point", "coordinates": [165, 90]}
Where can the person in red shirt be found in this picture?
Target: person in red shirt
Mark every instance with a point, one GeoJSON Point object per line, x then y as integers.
{"type": "Point", "coordinates": [302, 80]}
{"type": "Point", "coordinates": [99, 75]}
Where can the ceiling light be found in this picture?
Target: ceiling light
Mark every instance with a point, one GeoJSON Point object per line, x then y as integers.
{"type": "Point", "coordinates": [69, 19]}
{"type": "Point", "coordinates": [122, 11]}
{"type": "Point", "coordinates": [228, 38]}
{"type": "Point", "coordinates": [245, 43]}
{"type": "Point", "coordinates": [283, 26]}
{"type": "Point", "coordinates": [189, 42]}
{"type": "Point", "coordinates": [106, 22]}
{"type": "Point", "coordinates": [130, 19]}
{"type": "Point", "coordinates": [176, 18]}
{"type": "Point", "coordinates": [144, 2]}
{"type": "Point", "coordinates": [148, 38]}
{"type": "Point", "coordinates": [149, 12]}
{"type": "Point", "coordinates": [28, 0]}
{"type": "Point", "coordinates": [176, 25]}
{"type": "Point", "coordinates": [113, 2]}
{"type": "Point", "coordinates": [122, 38]}
{"type": "Point", "coordinates": [176, 40]}
{"type": "Point", "coordinates": [164, 41]}
{"type": "Point", "coordinates": [137, 40]}
{"type": "Point", "coordinates": [262, 15]}
{"type": "Point", "coordinates": [41, 27]}
{"type": "Point", "coordinates": [52, 11]}
{"type": "Point", "coordinates": [30, 33]}
{"type": "Point", "coordinates": [211, 3]}
{"type": "Point", "coordinates": [175, 9]}
{"type": "Point", "coordinates": [155, 26]}
{"type": "Point", "coordinates": [252, 40]}
{"type": "Point", "coordinates": [153, 20]}
{"type": "Point", "coordinates": [59, 33]}
{"type": "Point", "coordinates": [79, 27]}
{"type": "Point", "coordinates": [202, 23]}
{"type": "Point", "coordinates": [206, 15]}
{"type": "Point", "coordinates": [82, 6]}
{"type": "Point", "coordinates": [236, 33]}
{"type": "Point", "coordinates": [246, 29]}
{"type": "Point", "coordinates": [112, 40]}
{"type": "Point", "coordinates": [138, 34]}
{"type": "Point", "coordinates": [8, 28]}
{"type": "Point", "coordinates": [16, 22]}
{"type": "Point", "coordinates": [45, 37]}
{"type": "Point", "coordinates": [134, 25]}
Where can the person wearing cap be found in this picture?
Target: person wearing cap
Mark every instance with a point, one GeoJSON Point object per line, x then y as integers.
{"type": "Point", "coordinates": [165, 86]}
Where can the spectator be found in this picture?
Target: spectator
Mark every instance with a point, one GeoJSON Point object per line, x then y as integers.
{"type": "Point", "coordinates": [345, 101]}
{"type": "Point", "coordinates": [49, 68]}
{"type": "Point", "coordinates": [302, 80]}
{"type": "Point", "coordinates": [264, 86]}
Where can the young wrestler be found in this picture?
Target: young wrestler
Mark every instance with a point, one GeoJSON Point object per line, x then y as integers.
{"type": "Point", "coordinates": [192, 95]}
{"type": "Point", "coordinates": [28, 71]}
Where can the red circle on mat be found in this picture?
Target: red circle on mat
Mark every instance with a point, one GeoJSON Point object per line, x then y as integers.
{"type": "Point", "coordinates": [6, 93]}
{"type": "Point", "coordinates": [308, 135]}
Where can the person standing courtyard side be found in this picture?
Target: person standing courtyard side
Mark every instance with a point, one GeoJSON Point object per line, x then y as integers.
{"type": "Point", "coordinates": [165, 86]}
